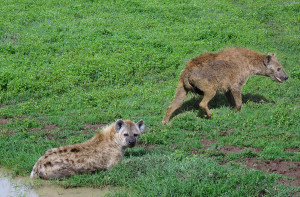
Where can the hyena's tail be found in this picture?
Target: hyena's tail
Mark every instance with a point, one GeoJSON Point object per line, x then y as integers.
{"type": "Point", "coordinates": [184, 81]}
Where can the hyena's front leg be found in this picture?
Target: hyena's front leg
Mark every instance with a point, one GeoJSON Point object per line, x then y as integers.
{"type": "Point", "coordinates": [237, 95]}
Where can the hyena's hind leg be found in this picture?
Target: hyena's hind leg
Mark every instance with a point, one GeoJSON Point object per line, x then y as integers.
{"type": "Point", "coordinates": [178, 100]}
{"type": "Point", "coordinates": [34, 173]}
{"type": "Point", "coordinates": [208, 95]}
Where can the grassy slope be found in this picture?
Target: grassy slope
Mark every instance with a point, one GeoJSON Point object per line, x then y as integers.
{"type": "Point", "coordinates": [72, 63]}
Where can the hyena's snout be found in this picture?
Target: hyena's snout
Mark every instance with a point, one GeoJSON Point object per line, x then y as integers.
{"type": "Point", "coordinates": [285, 77]}
{"type": "Point", "coordinates": [131, 142]}
{"type": "Point", "coordinates": [282, 77]}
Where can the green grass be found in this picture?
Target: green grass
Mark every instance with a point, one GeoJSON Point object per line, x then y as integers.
{"type": "Point", "coordinates": [73, 63]}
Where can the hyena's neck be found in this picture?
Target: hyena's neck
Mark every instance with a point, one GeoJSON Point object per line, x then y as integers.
{"type": "Point", "coordinates": [119, 144]}
{"type": "Point", "coordinates": [256, 65]}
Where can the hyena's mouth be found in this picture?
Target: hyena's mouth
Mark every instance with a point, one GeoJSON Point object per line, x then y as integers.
{"type": "Point", "coordinates": [278, 79]}
{"type": "Point", "coordinates": [131, 145]}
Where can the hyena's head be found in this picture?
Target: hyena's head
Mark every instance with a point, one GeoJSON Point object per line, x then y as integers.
{"type": "Point", "coordinates": [274, 68]}
{"type": "Point", "coordinates": [129, 132]}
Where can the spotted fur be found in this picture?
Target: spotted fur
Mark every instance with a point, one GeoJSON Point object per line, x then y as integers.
{"type": "Point", "coordinates": [102, 151]}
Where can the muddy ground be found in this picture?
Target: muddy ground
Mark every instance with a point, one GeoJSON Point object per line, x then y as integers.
{"type": "Point", "coordinates": [289, 169]}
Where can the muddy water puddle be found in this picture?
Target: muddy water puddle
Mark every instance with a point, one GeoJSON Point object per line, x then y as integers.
{"type": "Point", "coordinates": [23, 186]}
{"type": "Point", "coordinates": [53, 190]}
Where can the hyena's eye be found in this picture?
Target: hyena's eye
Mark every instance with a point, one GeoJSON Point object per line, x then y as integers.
{"type": "Point", "coordinates": [135, 135]}
{"type": "Point", "coordinates": [278, 69]}
{"type": "Point", "coordinates": [125, 134]}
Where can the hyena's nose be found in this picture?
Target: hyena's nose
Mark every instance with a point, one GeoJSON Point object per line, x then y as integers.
{"type": "Point", "coordinates": [131, 141]}
{"type": "Point", "coordinates": [286, 77]}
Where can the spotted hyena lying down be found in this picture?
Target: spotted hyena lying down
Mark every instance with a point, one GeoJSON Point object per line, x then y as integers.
{"type": "Point", "coordinates": [102, 151]}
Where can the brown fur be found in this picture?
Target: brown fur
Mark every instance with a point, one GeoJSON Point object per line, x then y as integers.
{"type": "Point", "coordinates": [102, 151]}
{"type": "Point", "coordinates": [226, 71]}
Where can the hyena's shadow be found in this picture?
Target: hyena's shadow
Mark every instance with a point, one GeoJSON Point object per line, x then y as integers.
{"type": "Point", "coordinates": [136, 152]}
{"type": "Point", "coordinates": [218, 101]}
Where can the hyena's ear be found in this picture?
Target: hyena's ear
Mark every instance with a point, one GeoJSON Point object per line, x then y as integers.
{"type": "Point", "coordinates": [267, 60]}
{"type": "Point", "coordinates": [141, 125]}
{"type": "Point", "coordinates": [119, 124]}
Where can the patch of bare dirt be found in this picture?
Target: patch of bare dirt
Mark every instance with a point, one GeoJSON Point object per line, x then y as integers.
{"type": "Point", "coordinates": [23, 117]}
{"type": "Point", "coordinates": [145, 145]}
{"type": "Point", "coordinates": [174, 146]}
{"type": "Point", "coordinates": [292, 150]}
{"type": "Point", "coordinates": [50, 136]}
{"type": "Point", "coordinates": [206, 143]}
{"type": "Point", "coordinates": [228, 132]}
{"type": "Point", "coordinates": [231, 149]}
{"type": "Point", "coordinates": [285, 168]}
{"type": "Point", "coordinates": [4, 121]}
{"type": "Point", "coordinates": [226, 149]}
{"type": "Point", "coordinates": [195, 151]}
{"type": "Point", "coordinates": [49, 127]}
{"type": "Point", "coordinates": [2, 106]}
{"type": "Point", "coordinates": [7, 133]}
{"type": "Point", "coordinates": [89, 126]}
{"type": "Point", "coordinates": [236, 149]}
{"type": "Point", "coordinates": [257, 150]}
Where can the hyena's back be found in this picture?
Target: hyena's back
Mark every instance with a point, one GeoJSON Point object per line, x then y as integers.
{"type": "Point", "coordinates": [64, 162]}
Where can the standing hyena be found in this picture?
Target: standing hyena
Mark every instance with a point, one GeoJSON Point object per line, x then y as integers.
{"type": "Point", "coordinates": [102, 151]}
{"type": "Point", "coordinates": [225, 71]}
